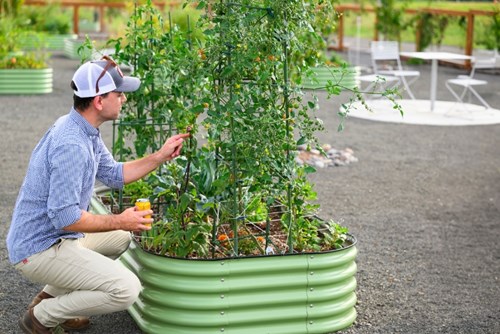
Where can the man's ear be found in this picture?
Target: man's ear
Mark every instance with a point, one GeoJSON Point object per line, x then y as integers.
{"type": "Point", "coordinates": [97, 102]}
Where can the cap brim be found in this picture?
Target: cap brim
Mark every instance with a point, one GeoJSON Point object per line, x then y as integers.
{"type": "Point", "coordinates": [129, 84]}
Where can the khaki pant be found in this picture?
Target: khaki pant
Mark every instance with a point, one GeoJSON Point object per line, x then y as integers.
{"type": "Point", "coordinates": [83, 277]}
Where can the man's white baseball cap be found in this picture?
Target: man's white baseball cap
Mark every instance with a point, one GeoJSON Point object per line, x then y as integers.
{"type": "Point", "coordinates": [95, 78]}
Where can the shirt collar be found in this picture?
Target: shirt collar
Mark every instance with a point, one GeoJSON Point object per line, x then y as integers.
{"type": "Point", "coordinates": [82, 123]}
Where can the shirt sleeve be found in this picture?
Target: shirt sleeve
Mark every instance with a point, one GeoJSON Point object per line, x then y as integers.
{"type": "Point", "coordinates": [109, 171]}
{"type": "Point", "coordinates": [68, 165]}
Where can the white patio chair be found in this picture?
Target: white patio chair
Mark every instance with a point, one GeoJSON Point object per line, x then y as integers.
{"type": "Point", "coordinates": [386, 62]}
{"type": "Point", "coordinates": [467, 82]}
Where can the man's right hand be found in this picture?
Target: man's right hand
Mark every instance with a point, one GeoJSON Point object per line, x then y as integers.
{"type": "Point", "coordinates": [133, 220]}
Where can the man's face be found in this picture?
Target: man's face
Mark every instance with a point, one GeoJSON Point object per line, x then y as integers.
{"type": "Point", "coordinates": [111, 106]}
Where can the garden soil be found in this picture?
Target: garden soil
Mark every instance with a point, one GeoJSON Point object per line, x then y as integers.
{"type": "Point", "coordinates": [422, 201]}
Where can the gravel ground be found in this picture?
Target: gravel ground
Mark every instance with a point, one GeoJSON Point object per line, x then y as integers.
{"type": "Point", "coordinates": [423, 202]}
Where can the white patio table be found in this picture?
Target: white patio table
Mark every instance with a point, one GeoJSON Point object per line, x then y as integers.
{"type": "Point", "coordinates": [435, 57]}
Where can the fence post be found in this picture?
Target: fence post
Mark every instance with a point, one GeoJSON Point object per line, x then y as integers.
{"type": "Point", "coordinates": [102, 21]}
{"type": "Point", "coordinates": [418, 34]}
{"type": "Point", "coordinates": [469, 43]}
{"type": "Point", "coordinates": [340, 31]}
{"type": "Point", "coordinates": [76, 9]}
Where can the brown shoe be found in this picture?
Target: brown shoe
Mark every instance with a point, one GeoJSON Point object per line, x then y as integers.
{"type": "Point", "coordinates": [30, 325]}
{"type": "Point", "coordinates": [71, 324]}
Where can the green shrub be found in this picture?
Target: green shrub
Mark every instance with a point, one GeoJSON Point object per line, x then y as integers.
{"type": "Point", "coordinates": [50, 18]}
{"type": "Point", "coordinates": [11, 39]}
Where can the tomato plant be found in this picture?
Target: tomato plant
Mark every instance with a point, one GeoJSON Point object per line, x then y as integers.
{"type": "Point", "coordinates": [237, 190]}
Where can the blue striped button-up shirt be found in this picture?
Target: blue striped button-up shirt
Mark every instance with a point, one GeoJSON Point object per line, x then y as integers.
{"type": "Point", "coordinates": [59, 184]}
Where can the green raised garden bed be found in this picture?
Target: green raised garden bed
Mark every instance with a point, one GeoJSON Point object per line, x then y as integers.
{"type": "Point", "coordinates": [48, 41]}
{"type": "Point", "coordinates": [71, 49]}
{"type": "Point", "coordinates": [298, 293]}
{"type": "Point", "coordinates": [26, 81]}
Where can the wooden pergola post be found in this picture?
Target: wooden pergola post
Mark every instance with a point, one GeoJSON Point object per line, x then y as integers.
{"type": "Point", "coordinates": [76, 9]}
{"type": "Point", "coordinates": [102, 21]}
{"type": "Point", "coordinates": [469, 42]}
{"type": "Point", "coordinates": [340, 31]}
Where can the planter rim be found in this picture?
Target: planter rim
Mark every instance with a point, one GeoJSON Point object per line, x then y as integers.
{"type": "Point", "coordinates": [351, 239]}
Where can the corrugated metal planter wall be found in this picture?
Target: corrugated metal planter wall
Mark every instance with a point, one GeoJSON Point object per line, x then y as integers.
{"type": "Point", "coordinates": [347, 77]}
{"type": "Point", "coordinates": [300, 293]}
{"type": "Point", "coordinates": [49, 41]}
{"type": "Point", "coordinates": [26, 81]}
{"type": "Point", "coordinates": [71, 46]}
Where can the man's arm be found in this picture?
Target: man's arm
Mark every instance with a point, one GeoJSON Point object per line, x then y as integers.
{"type": "Point", "coordinates": [134, 170]}
{"type": "Point", "coordinates": [129, 220]}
